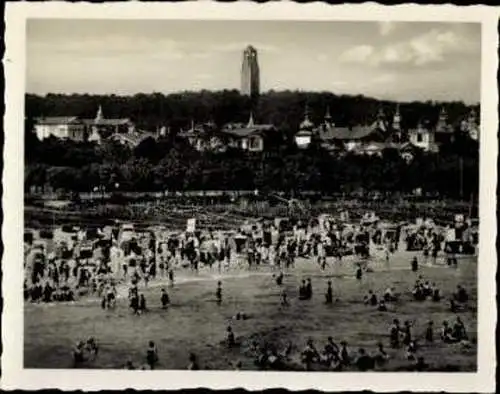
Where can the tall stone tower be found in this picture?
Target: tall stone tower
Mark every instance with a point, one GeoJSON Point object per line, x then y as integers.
{"type": "Point", "coordinates": [250, 78]}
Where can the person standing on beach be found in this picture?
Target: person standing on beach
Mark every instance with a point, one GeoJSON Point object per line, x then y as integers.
{"type": "Point", "coordinates": [414, 264]}
{"type": "Point", "coordinates": [171, 276]}
{"type": "Point", "coordinates": [218, 293]}
{"type": "Point", "coordinates": [359, 272]}
{"type": "Point", "coordinates": [152, 355]}
{"type": "Point", "coordinates": [165, 299]}
{"type": "Point", "coordinates": [387, 255]}
{"type": "Point", "coordinates": [329, 293]}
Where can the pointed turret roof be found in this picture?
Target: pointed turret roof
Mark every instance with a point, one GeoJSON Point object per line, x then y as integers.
{"type": "Point", "coordinates": [327, 114]}
{"type": "Point", "coordinates": [442, 124]}
{"type": "Point", "coordinates": [99, 115]}
{"type": "Point", "coordinates": [472, 114]}
{"type": "Point", "coordinates": [396, 120]}
{"type": "Point", "coordinates": [380, 122]}
{"type": "Point", "coordinates": [306, 123]}
{"type": "Point", "coordinates": [251, 122]}
{"type": "Point", "coordinates": [380, 113]}
{"type": "Point", "coordinates": [443, 116]}
{"type": "Point", "coordinates": [397, 114]}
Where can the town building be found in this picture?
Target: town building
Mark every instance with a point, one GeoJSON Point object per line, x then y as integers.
{"type": "Point", "coordinates": [97, 130]}
{"type": "Point", "coordinates": [249, 137]}
{"type": "Point", "coordinates": [397, 134]}
{"type": "Point", "coordinates": [206, 137]}
{"type": "Point", "coordinates": [101, 128]}
{"type": "Point", "coordinates": [63, 127]}
{"type": "Point", "coordinates": [407, 151]}
{"type": "Point", "coordinates": [432, 138]}
{"type": "Point", "coordinates": [132, 138]}
{"type": "Point", "coordinates": [372, 139]}
{"type": "Point", "coordinates": [253, 137]}
{"type": "Point", "coordinates": [353, 139]}
{"type": "Point", "coordinates": [250, 74]}
{"type": "Point", "coordinates": [304, 136]}
{"type": "Point", "coordinates": [471, 126]}
{"type": "Point", "coordinates": [423, 136]}
{"type": "Point", "coordinates": [444, 132]}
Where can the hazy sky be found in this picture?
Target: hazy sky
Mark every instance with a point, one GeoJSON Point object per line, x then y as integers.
{"type": "Point", "coordinates": [401, 61]}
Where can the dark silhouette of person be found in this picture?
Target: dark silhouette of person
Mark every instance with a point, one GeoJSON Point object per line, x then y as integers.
{"type": "Point", "coordinates": [231, 342]}
{"type": "Point", "coordinates": [218, 293]}
{"type": "Point", "coordinates": [152, 355]}
{"type": "Point", "coordinates": [165, 299]}
{"type": "Point", "coordinates": [414, 264]}
{"type": "Point", "coordinates": [429, 332]}
{"type": "Point", "coordinates": [329, 293]}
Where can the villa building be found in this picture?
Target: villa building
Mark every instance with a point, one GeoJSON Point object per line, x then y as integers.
{"type": "Point", "coordinates": [98, 130]}
{"type": "Point", "coordinates": [382, 134]}
{"type": "Point", "coordinates": [249, 137]}
{"type": "Point", "coordinates": [471, 126]}
{"type": "Point", "coordinates": [305, 135]}
{"type": "Point", "coordinates": [62, 127]}
{"type": "Point", "coordinates": [101, 128]}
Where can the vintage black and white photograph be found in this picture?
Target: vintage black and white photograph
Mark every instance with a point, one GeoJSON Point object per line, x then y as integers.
{"type": "Point", "coordinates": [251, 195]}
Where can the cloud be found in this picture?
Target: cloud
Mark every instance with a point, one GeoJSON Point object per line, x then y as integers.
{"type": "Point", "coordinates": [203, 76]}
{"type": "Point", "coordinates": [322, 57]}
{"type": "Point", "coordinates": [200, 55]}
{"type": "Point", "coordinates": [108, 45]}
{"type": "Point", "coordinates": [339, 83]}
{"type": "Point", "coordinates": [384, 78]}
{"type": "Point", "coordinates": [357, 54]}
{"type": "Point", "coordinates": [431, 47]}
{"type": "Point", "coordinates": [386, 27]}
{"type": "Point", "coordinates": [120, 45]}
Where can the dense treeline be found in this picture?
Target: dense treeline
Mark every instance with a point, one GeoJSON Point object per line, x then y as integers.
{"type": "Point", "coordinates": [170, 164]}
{"type": "Point", "coordinates": [283, 109]}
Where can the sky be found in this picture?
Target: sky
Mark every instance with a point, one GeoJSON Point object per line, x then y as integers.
{"type": "Point", "coordinates": [401, 61]}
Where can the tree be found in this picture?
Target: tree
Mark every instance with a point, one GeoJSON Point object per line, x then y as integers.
{"type": "Point", "coordinates": [171, 163]}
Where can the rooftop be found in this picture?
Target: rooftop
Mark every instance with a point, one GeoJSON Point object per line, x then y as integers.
{"type": "Point", "coordinates": [62, 120]}
{"type": "Point", "coordinates": [134, 138]}
{"type": "Point", "coordinates": [346, 133]}
{"type": "Point", "coordinates": [303, 133]}
{"type": "Point", "coordinates": [238, 130]}
{"type": "Point", "coordinates": [246, 131]}
{"type": "Point", "coordinates": [106, 122]}
{"type": "Point", "coordinates": [57, 120]}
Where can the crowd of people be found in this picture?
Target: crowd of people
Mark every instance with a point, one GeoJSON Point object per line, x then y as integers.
{"type": "Point", "coordinates": [71, 270]}
{"type": "Point", "coordinates": [333, 356]}
{"type": "Point", "coordinates": [82, 263]}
